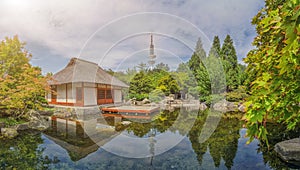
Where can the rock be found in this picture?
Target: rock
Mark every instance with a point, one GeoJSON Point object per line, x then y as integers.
{"type": "Point", "coordinates": [146, 101]}
{"type": "Point", "coordinates": [131, 101]}
{"type": "Point", "coordinates": [46, 113]}
{"type": "Point", "coordinates": [23, 126]}
{"type": "Point", "coordinates": [9, 132]}
{"type": "Point", "coordinates": [41, 124]}
{"type": "Point", "coordinates": [225, 106]}
{"type": "Point", "coordinates": [242, 108]}
{"type": "Point", "coordinates": [202, 106]}
{"type": "Point", "coordinates": [125, 123]}
{"type": "Point", "coordinates": [289, 150]}
{"type": "Point", "coordinates": [169, 99]}
{"type": "Point", "coordinates": [128, 102]}
{"type": "Point", "coordinates": [2, 125]}
{"type": "Point", "coordinates": [139, 103]}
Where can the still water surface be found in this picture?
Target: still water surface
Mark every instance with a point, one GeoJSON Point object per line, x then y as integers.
{"type": "Point", "coordinates": [169, 140]}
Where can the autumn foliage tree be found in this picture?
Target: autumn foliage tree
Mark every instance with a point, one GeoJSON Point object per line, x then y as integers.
{"type": "Point", "coordinates": [22, 86]}
{"type": "Point", "coordinates": [273, 68]}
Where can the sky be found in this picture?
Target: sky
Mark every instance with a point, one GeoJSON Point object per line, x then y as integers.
{"type": "Point", "coordinates": [116, 33]}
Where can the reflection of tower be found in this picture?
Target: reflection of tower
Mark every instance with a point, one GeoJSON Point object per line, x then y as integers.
{"type": "Point", "coordinates": [152, 142]}
{"type": "Point", "coordinates": [152, 57]}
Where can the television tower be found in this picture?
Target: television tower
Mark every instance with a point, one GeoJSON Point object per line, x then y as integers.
{"type": "Point", "coordinates": [152, 57]}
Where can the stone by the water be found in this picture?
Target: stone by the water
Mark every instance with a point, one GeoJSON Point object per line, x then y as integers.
{"type": "Point", "coordinates": [225, 106]}
{"type": "Point", "coordinates": [289, 150]}
{"type": "Point", "coordinates": [23, 126]}
{"type": "Point", "coordinates": [202, 106]}
{"type": "Point", "coordinates": [9, 132]}
{"type": "Point", "coordinates": [2, 125]}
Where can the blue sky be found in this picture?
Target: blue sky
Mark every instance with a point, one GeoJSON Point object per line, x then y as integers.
{"type": "Point", "coordinates": [116, 34]}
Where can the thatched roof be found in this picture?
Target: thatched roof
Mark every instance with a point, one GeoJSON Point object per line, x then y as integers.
{"type": "Point", "coordinates": [79, 70]}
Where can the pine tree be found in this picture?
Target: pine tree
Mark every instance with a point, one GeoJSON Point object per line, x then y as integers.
{"type": "Point", "coordinates": [216, 47]}
{"type": "Point", "coordinates": [199, 71]}
{"type": "Point", "coordinates": [230, 64]}
{"type": "Point", "coordinates": [199, 54]}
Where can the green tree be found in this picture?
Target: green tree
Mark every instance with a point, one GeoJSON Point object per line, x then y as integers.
{"type": "Point", "coordinates": [216, 47]}
{"type": "Point", "coordinates": [242, 74]}
{"type": "Point", "coordinates": [22, 86]}
{"type": "Point", "coordinates": [273, 68]}
{"type": "Point", "coordinates": [142, 66]}
{"type": "Point", "coordinates": [168, 85]}
{"type": "Point", "coordinates": [230, 63]}
{"type": "Point", "coordinates": [162, 66]}
{"type": "Point", "coordinates": [140, 86]}
{"type": "Point", "coordinates": [199, 71]}
{"type": "Point", "coordinates": [186, 80]}
{"type": "Point", "coordinates": [199, 54]}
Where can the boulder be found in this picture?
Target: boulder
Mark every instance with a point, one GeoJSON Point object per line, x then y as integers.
{"type": "Point", "coordinates": [139, 103]}
{"type": "Point", "coordinates": [242, 108]}
{"type": "Point", "coordinates": [169, 99]}
{"type": "Point", "coordinates": [146, 101]}
{"type": "Point", "coordinates": [2, 125]}
{"type": "Point", "coordinates": [23, 126]}
{"type": "Point", "coordinates": [289, 150]}
{"type": "Point", "coordinates": [225, 106]}
{"type": "Point", "coordinates": [41, 124]}
{"type": "Point", "coordinates": [202, 106]}
{"type": "Point", "coordinates": [9, 132]}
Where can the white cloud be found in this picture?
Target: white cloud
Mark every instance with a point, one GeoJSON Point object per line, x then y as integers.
{"type": "Point", "coordinates": [62, 28]}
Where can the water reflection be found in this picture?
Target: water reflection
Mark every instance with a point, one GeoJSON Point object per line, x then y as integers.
{"type": "Point", "coordinates": [80, 137]}
{"type": "Point", "coordinates": [82, 144]}
{"type": "Point", "coordinates": [222, 144]}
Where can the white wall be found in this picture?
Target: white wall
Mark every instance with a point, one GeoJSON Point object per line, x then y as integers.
{"type": "Point", "coordinates": [61, 93]}
{"type": "Point", "coordinates": [117, 96]}
{"type": "Point", "coordinates": [71, 93]}
{"type": "Point", "coordinates": [48, 97]}
{"type": "Point", "coordinates": [90, 96]}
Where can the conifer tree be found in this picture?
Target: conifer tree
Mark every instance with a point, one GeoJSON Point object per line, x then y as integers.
{"type": "Point", "coordinates": [199, 54]}
{"type": "Point", "coordinates": [230, 64]}
{"type": "Point", "coordinates": [216, 47]}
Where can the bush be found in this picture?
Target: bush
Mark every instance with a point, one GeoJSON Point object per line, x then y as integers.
{"type": "Point", "coordinates": [237, 95]}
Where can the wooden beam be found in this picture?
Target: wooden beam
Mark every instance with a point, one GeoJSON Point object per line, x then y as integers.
{"type": "Point", "coordinates": [66, 92]}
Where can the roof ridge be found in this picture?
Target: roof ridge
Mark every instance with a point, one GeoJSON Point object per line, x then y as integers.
{"type": "Point", "coordinates": [75, 59]}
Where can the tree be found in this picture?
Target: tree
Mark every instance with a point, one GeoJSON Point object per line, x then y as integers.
{"type": "Point", "coordinates": [185, 79]}
{"type": "Point", "coordinates": [216, 47]}
{"type": "Point", "coordinates": [22, 86]}
{"type": "Point", "coordinates": [230, 64]}
{"type": "Point", "coordinates": [199, 71]}
{"type": "Point", "coordinates": [142, 66]}
{"type": "Point", "coordinates": [140, 86]}
{"type": "Point", "coordinates": [242, 74]}
{"type": "Point", "coordinates": [162, 66]}
{"type": "Point", "coordinates": [168, 85]}
{"type": "Point", "coordinates": [273, 68]}
{"type": "Point", "coordinates": [198, 55]}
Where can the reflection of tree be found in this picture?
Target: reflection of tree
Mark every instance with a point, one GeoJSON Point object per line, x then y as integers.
{"type": "Point", "coordinates": [161, 123]}
{"type": "Point", "coordinates": [139, 129]}
{"type": "Point", "coordinates": [222, 144]}
{"type": "Point", "coordinates": [164, 121]}
{"type": "Point", "coordinates": [24, 153]}
{"type": "Point", "coordinates": [277, 133]}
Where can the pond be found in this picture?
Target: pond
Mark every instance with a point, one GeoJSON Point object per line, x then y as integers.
{"type": "Point", "coordinates": [177, 139]}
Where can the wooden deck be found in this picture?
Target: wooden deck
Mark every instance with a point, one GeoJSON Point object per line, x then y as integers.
{"type": "Point", "coordinates": [130, 110]}
{"type": "Point", "coordinates": [126, 116]}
